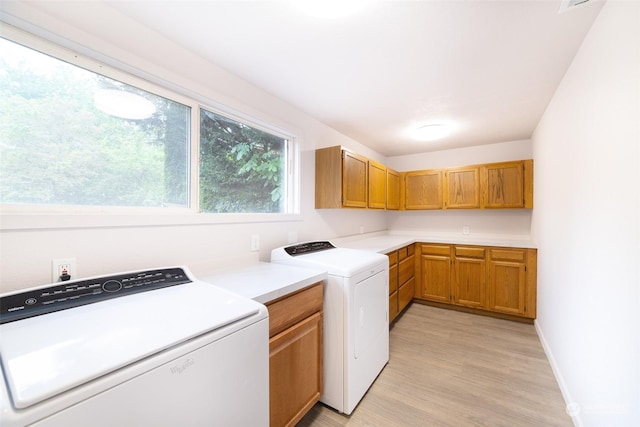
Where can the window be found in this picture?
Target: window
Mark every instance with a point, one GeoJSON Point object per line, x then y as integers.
{"type": "Point", "coordinates": [76, 135]}
{"type": "Point", "coordinates": [70, 136]}
{"type": "Point", "coordinates": [242, 168]}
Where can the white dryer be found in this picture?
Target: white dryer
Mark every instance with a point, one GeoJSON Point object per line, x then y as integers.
{"type": "Point", "coordinates": [356, 317]}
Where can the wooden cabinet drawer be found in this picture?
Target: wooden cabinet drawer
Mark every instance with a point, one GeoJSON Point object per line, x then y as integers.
{"type": "Point", "coordinates": [407, 270]}
{"type": "Point", "coordinates": [393, 278]}
{"type": "Point", "coordinates": [470, 252]}
{"type": "Point", "coordinates": [406, 252]}
{"type": "Point", "coordinates": [393, 257]}
{"type": "Point", "coordinates": [405, 293]}
{"type": "Point", "coordinates": [435, 250]}
{"type": "Point", "coordinates": [411, 249]}
{"type": "Point", "coordinates": [291, 309]}
{"type": "Point", "coordinates": [393, 306]}
{"type": "Point", "coordinates": [508, 254]}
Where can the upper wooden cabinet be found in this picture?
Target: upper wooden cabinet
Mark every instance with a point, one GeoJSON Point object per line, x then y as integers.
{"type": "Point", "coordinates": [341, 179]}
{"type": "Point", "coordinates": [507, 185]}
{"type": "Point", "coordinates": [348, 180]}
{"type": "Point", "coordinates": [354, 180]}
{"type": "Point", "coordinates": [393, 189]}
{"type": "Point", "coordinates": [377, 185]}
{"type": "Point", "coordinates": [462, 188]}
{"type": "Point", "coordinates": [423, 189]}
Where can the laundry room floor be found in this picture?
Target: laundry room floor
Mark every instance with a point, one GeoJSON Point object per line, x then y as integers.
{"type": "Point", "coordinates": [449, 368]}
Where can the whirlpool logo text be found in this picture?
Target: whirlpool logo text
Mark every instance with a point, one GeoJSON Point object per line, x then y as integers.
{"type": "Point", "coordinates": [181, 367]}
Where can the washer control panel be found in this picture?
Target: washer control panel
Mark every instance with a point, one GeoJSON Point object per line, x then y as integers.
{"type": "Point", "coordinates": [57, 297]}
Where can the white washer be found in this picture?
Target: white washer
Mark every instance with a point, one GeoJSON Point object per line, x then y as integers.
{"type": "Point", "coordinates": [144, 348]}
{"type": "Point", "coordinates": [356, 317]}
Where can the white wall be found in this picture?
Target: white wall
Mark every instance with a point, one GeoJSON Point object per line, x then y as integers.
{"type": "Point", "coordinates": [499, 152]}
{"type": "Point", "coordinates": [510, 223]}
{"type": "Point", "coordinates": [99, 30]}
{"type": "Point", "coordinates": [586, 222]}
{"type": "Point", "coordinates": [88, 27]}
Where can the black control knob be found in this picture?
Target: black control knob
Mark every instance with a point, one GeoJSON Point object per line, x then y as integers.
{"type": "Point", "coordinates": [111, 286]}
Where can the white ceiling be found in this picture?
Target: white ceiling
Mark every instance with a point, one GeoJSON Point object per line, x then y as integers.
{"type": "Point", "coordinates": [488, 68]}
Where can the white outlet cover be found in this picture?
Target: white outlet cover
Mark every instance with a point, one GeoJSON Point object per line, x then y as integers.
{"type": "Point", "coordinates": [57, 265]}
{"type": "Point", "coordinates": [255, 242]}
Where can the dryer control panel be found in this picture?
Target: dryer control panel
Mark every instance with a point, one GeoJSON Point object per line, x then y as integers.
{"type": "Point", "coordinates": [305, 248]}
{"type": "Point", "coordinates": [43, 300]}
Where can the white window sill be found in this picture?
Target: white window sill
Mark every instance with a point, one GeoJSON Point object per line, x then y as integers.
{"type": "Point", "coordinates": [40, 221]}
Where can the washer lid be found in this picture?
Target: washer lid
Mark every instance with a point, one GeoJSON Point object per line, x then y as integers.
{"type": "Point", "coordinates": [337, 261]}
{"type": "Point", "coordinates": [45, 355]}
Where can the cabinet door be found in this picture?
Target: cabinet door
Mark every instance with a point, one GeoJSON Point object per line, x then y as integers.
{"type": "Point", "coordinates": [377, 185]}
{"type": "Point", "coordinates": [393, 306]}
{"type": "Point", "coordinates": [328, 178]}
{"type": "Point", "coordinates": [354, 180]}
{"type": "Point", "coordinates": [469, 274]}
{"type": "Point", "coordinates": [393, 190]}
{"type": "Point", "coordinates": [393, 285]}
{"type": "Point", "coordinates": [406, 273]}
{"type": "Point", "coordinates": [462, 188]}
{"type": "Point", "coordinates": [295, 371]}
{"type": "Point", "coordinates": [423, 189]}
{"type": "Point", "coordinates": [507, 281]}
{"type": "Point", "coordinates": [406, 293]}
{"type": "Point", "coordinates": [503, 185]}
{"type": "Point", "coordinates": [435, 273]}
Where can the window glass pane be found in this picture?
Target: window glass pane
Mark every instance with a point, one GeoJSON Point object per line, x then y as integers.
{"type": "Point", "coordinates": [69, 136]}
{"type": "Point", "coordinates": [242, 169]}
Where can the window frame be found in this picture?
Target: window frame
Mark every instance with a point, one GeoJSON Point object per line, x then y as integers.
{"type": "Point", "coordinates": [291, 167]}
{"type": "Point", "coordinates": [36, 216]}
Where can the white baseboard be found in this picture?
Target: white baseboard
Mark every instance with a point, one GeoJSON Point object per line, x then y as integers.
{"type": "Point", "coordinates": [577, 422]}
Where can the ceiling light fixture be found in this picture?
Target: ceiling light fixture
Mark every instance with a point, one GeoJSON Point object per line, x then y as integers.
{"type": "Point", "coordinates": [431, 132]}
{"type": "Point", "coordinates": [125, 105]}
{"type": "Point", "coordinates": [328, 8]}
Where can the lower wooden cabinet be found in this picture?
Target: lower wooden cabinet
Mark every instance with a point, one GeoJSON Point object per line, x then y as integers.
{"type": "Point", "coordinates": [295, 355]}
{"type": "Point", "coordinates": [512, 281]}
{"type": "Point", "coordinates": [401, 279]}
{"type": "Point", "coordinates": [393, 285]}
{"type": "Point", "coordinates": [468, 280]}
{"type": "Point", "coordinates": [491, 279]}
{"type": "Point", "coordinates": [434, 273]}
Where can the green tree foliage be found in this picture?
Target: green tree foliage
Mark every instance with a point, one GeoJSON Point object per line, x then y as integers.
{"type": "Point", "coordinates": [241, 168]}
{"type": "Point", "coordinates": [56, 147]}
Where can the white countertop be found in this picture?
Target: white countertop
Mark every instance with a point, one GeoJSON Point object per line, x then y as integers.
{"type": "Point", "coordinates": [264, 282]}
{"type": "Point", "coordinates": [385, 242]}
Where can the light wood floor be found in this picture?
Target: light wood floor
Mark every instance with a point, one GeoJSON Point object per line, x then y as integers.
{"type": "Point", "coordinates": [448, 368]}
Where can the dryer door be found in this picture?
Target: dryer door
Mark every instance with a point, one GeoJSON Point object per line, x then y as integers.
{"type": "Point", "coordinates": [371, 313]}
{"type": "Point", "coordinates": [369, 338]}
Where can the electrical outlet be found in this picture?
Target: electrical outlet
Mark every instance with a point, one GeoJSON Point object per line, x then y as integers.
{"type": "Point", "coordinates": [465, 229]}
{"type": "Point", "coordinates": [293, 236]}
{"type": "Point", "coordinates": [63, 267]}
{"type": "Point", "coordinates": [255, 242]}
